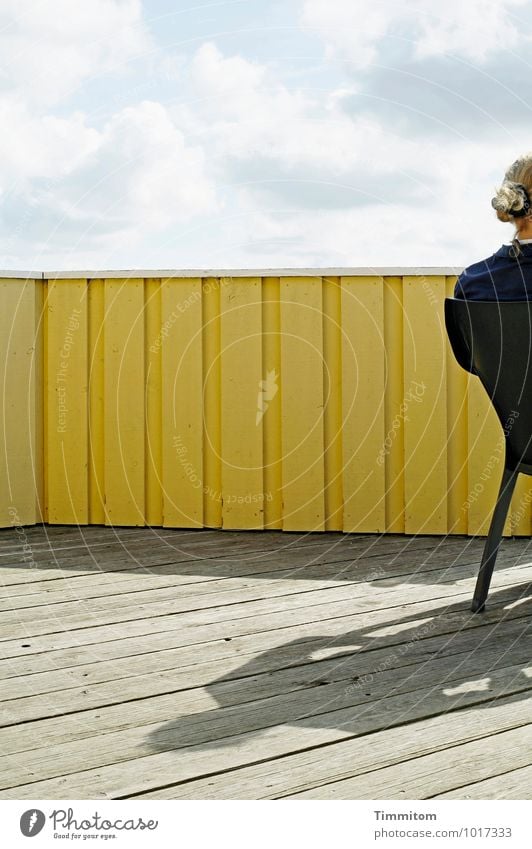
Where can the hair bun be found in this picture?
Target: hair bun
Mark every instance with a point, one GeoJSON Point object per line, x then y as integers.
{"type": "Point", "coordinates": [510, 198]}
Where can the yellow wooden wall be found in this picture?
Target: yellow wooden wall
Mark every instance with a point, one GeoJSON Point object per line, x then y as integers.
{"type": "Point", "coordinates": [296, 403]}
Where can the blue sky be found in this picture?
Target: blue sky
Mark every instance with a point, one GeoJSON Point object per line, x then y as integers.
{"type": "Point", "coordinates": [253, 134]}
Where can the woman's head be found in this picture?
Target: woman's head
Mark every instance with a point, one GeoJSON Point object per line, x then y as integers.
{"type": "Point", "coordinates": [512, 198]}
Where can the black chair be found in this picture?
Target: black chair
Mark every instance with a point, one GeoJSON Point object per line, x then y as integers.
{"type": "Point", "coordinates": [493, 340]}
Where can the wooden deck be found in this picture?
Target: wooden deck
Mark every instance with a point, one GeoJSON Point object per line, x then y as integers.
{"type": "Point", "coordinates": [200, 664]}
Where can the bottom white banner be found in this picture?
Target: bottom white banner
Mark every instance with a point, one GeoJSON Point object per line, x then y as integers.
{"type": "Point", "coordinates": [248, 824]}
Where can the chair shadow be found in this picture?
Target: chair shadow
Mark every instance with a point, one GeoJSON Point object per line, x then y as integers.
{"type": "Point", "coordinates": [371, 678]}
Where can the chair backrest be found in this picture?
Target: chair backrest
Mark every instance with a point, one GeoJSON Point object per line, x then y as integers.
{"type": "Point", "coordinates": [493, 340]}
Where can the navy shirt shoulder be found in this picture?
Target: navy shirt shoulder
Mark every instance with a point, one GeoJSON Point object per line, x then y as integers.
{"type": "Point", "coordinates": [501, 276]}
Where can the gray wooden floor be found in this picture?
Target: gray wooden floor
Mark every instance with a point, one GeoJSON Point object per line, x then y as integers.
{"type": "Point", "coordinates": [205, 664]}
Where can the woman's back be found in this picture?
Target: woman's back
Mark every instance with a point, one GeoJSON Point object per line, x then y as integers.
{"type": "Point", "coordinates": [504, 276]}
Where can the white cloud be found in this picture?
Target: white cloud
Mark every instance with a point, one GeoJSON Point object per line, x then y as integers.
{"type": "Point", "coordinates": [137, 176]}
{"type": "Point", "coordinates": [263, 129]}
{"type": "Point", "coordinates": [65, 185]}
{"type": "Point", "coordinates": [243, 169]}
{"type": "Point", "coordinates": [249, 115]}
{"type": "Point", "coordinates": [49, 47]}
{"type": "Point", "coordinates": [356, 30]}
{"type": "Point", "coordinates": [229, 83]}
{"type": "Point", "coordinates": [40, 145]}
{"type": "Point", "coordinates": [400, 199]}
{"type": "Point", "coordinates": [143, 172]}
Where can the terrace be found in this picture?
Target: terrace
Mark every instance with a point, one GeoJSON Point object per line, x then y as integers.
{"type": "Point", "coordinates": [241, 517]}
{"type": "Point", "coordinates": [194, 664]}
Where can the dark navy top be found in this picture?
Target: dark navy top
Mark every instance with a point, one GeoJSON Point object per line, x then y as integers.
{"type": "Point", "coordinates": [499, 277]}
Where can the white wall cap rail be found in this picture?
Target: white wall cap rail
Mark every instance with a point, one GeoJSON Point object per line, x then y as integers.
{"type": "Point", "coordinates": [21, 275]}
{"type": "Point", "coordinates": [381, 271]}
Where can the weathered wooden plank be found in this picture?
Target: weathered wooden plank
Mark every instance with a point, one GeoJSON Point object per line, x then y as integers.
{"type": "Point", "coordinates": [125, 566]}
{"type": "Point", "coordinates": [33, 657]}
{"type": "Point", "coordinates": [282, 641]}
{"type": "Point", "coordinates": [423, 778]}
{"type": "Point", "coordinates": [89, 574]}
{"type": "Point", "coordinates": [60, 535]}
{"type": "Point", "coordinates": [260, 677]}
{"type": "Point", "coordinates": [204, 614]}
{"type": "Point", "coordinates": [128, 776]}
{"type": "Point", "coordinates": [335, 761]}
{"type": "Point", "coordinates": [52, 635]}
{"type": "Point", "coordinates": [122, 641]}
{"type": "Point", "coordinates": [210, 601]}
{"type": "Point", "coordinates": [104, 558]}
{"type": "Point", "coordinates": [193, 611]}
{"type": "Point", "coordinates": [84, 536]}
{"type": "Point", "coordinates": [515, 784]}
{"type": "Point", "coordinates": [68, 728]}
{"type": "Point", "coordinates": [321, 569]}
{"type": "Point", "coordinates": [127, 744]}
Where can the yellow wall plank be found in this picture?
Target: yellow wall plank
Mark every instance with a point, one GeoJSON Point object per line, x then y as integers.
{"type": "Point", "coordinates": [212, 461]}
{"type": "Point", "coordinates": [124, 401]}
{"type": "Point", "coordinates": [246, 390]}
{"type": "Point", "coordinates": [180, 342]}
{"type": "Point", "coordinates": [96, 369]}
{"type": "Point", "coordinates": [394, 448]}
{"type": "Point", "coordinates": [332, 395]}
{"type": "Point", "coordinates": [520, 512]}
{"type": "Point", "coordinates": [485, 460]}
{"type": "Point", "coordinates": [46, 384]}
{"type": "Point", "coordinates": [271, 425]}
{"type": "Point", "coordinates": [38, 372]}
{"type": "Point", "coordinates": [153, 442]}
{"type": "Point", "coordinates": [302, 403]}
{"type": "Point", "coordinates": [363, 404]}
{"type": "Point", "coordinates": [19, 454]}
{"type": "Point", "coordinates": [67, 402]}
{"type": "Point", "coordinates": [425, 405]}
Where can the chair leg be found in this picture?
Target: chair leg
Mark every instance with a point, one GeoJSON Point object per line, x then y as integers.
{"type": "Point", "coordinates": [489, 555]}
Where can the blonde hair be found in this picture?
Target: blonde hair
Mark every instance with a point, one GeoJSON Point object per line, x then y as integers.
{"type": "Point", "coordinates": [509, 197]}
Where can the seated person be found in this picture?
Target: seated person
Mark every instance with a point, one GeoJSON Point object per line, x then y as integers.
{"type": "Point", "coordinates": [507, 274]}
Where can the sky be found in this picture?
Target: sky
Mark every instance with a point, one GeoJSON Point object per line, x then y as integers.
{"type": "Point", "coordinates": [149, 134]}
